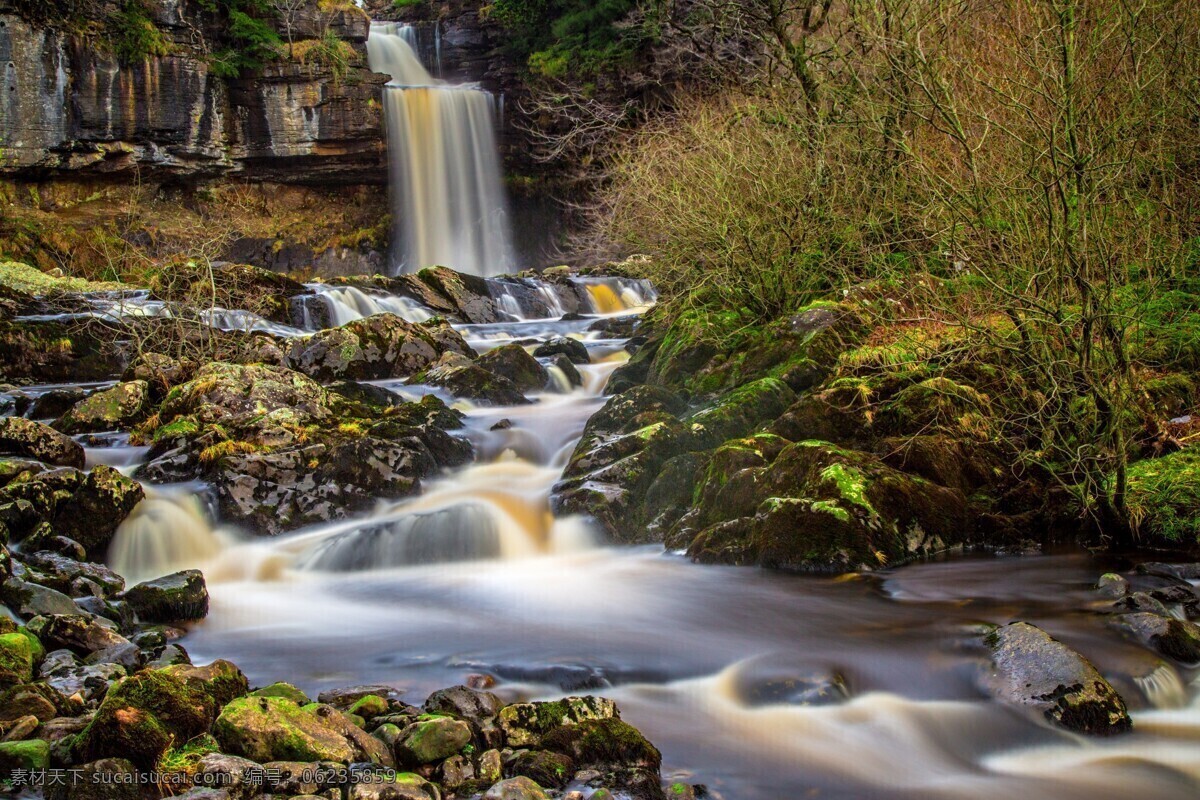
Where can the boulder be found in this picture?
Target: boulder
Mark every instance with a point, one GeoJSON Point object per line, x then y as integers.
{"type": "Point", "coordinates": [380, 346]}
{"type": "Point", "coordinates": [120, 407]}
{"type": "Point", "coordinates": [19, 656]}
{"type": "Point", "coordinates": [545, 768]}
{"type": "Point", "coordinates": [92, 514]}
{"type": "Point", "coordinates": [432, 738]}
{"type": "Point", "coordinates": [284, 690]}
{"type": "Point", "coordinates": [1174, 638]}
{"type": "Point", "coordinates": [564, 364]}
{"type": "Point", "coordinates": [573, 349]}
{"type": "Point", "coordinates": [32, 599]}
{"type": "Point", "coordinates": [33, 754]}
{"type": "Point", "coordinates": [395, 786]}
{"type": "Point", "coordinates": [65, 571]}
{"type": "Point", "coordinates": [31, 439]}
{"type": "Point", "coordinates": [513, 362]}
{"type": "Point", "coordinates": [54, 403]}
{"type": "Point", "coordinates": [75, 632]}
{"type": "Point", "coordinates": [468, 296]}
{"type": "Point", "coordinates": [525, 724]}
{"type": "Point", "coordinates": [466, 379]}
{"type": "Point", "coordinates": [519, 788]}
{"type": "Point", "coordinates": [179, 597]}
{"type": "Point", "coordinates": [104, 779]}
{"type": "Point", "coordinates": [161, 373]}
{"type": "Point", "coordinates": [1032, 670]}
{"type": "Point", "coordinates": [265, 729]}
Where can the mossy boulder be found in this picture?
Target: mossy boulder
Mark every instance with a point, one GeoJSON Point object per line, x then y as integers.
{"type": "Point", "coordinates": [93, 512]}
{"type": "Point", "coordinates": [78, 633]}
{"type": "Point", "coordinates": [147, 713]}
{"type": "Point", "coordinates": [395, 786]}
{"type": "Point", "coordinates": [1033, 670]}
{"type": "Point", "coordinates": [546, 768]}
{"type": "Point", "coordinates": [58, 352]}
{"type": "Point", "coordinates": [1177, 639]}
{"type": "Point", "coordinates": [518, 788]}
{"type": "Point", "coordinates": [33, 754]}
{"type": "Point", "coordinates": [604, 743]}
{"type": "Point", "coordinates": [465, 379]}
{"type": "Point", "coordinates": [818, 507]}
{"type": "Point", "coordinates": [265, 729]}
{"type": "Point", "coordinates": [120, 407]}
{"type": "Point", "coordinates": [23, 437]}
{"type": "Point", "coordinates": [179, 597]}
{"type": "Point", "coordinates": [524, 724]}
{"type": "Point", "coordinates": [468, 297]}
{"type": "Point", "coordinates": [513, 362]}
{"type": "Point", "coordinates": [573, 349]}
{"type": "Point", "coordinates": [377, 347]}
{"type": "Point", "coordinates": [283, 690]}
{"type": "Point", "coordinates": [160, 372]}
{"type": "Point", "coordinates": [741, 411]}
{"type": "Point", "coordinates": [938, 404]}
{"type": "Point", "coordinates": [431, 739]}
{"type": "Point", "coordinates": [19, 655]}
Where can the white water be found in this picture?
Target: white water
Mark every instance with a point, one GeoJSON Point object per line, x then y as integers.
{"type": "Point", "coordinates": [727, 670]}
{"type": "Point", "coordinates": [346, 304]}
{"type": "Point", "coordinates": [447, 198]}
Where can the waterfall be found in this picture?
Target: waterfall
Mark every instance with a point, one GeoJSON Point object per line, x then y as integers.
{"type": "Point", "coordinates": [447, 200]}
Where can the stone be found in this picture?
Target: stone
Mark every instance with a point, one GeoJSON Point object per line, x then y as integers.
{"type": "Point", "coordinates": [525, 724]}
{"type": "Point", "coordinates": [513, 362]}
{"type": "Point", "coordinates": [519, 788]}
{"type": "Point", "coordinates": [284, 690]}
{"type": "Point", "coordinates": [345, 697]}
{"type": "Point", "coordinates": [92, 514]}
{"type": "Point", "coordinates": [398, 786]}
{"type": "Point", "coordinates": [466, 379]}
{"type": "Point", "coordinates": [179, 597]}
{"type": "Point", "coordinates": [32, 599]}
{"type": "Point", "coordinates": [477, 707]}
{"type": "Point", "coordinates": [118, 408]}
{"type": "Point", "coordinates": [31, 439]}
{"type": "Point", "coordinates": [431, 739]}
{"type": "Point", "coordinates": [546, 768]}
{"type": "Point", "coordinates": [563, 363]}
{"type": "Point", "coordinates": [33, 754]}
{"type": "Point", "coordinates": [573, 349]}
{"type": "Point", "coordinates": [1174, 638]}
{"type": "Point", "coordinates": [104, 779]}
{"type": "Point", "coordinates": [19, 656]}
{"type": "Point", "coordinates": [29, 699]}
{"type": "Point", "coordinates": [161, 373]}
{"type": "Point", "coordinates": [1035, 671]}
{"type": "Point", "coordinates": [21, 729]}
{"type": "Point", "coordinates": [265, 729]}
{"type": "Point", "coordinates": [604, 744]}
{"type": "Point", "coordinates": [66, 570]}
{"type": "Point", "coordinates": [377, 347]}
{"type": "Point", "coordinates": [80, 634]}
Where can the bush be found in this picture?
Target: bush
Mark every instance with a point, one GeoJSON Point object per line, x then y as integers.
{"type": "Point", "coordinates": [133, 35]}
{"type": "Point", "coordinates": [555, 37]}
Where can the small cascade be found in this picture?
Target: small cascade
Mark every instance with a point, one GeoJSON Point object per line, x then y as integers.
{"type": "Point", "coordinates": [346, 304]}
{"type": "Point", "coordinates": [616, 295]}
{"type": "Point", "coordinates": [167, 532]}
{"type": "Point", "coordinates": [448, 202]}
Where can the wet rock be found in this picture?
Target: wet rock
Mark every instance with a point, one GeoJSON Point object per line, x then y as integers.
{"type": "Point", "coordinates": [31, 599]}
{"type": "Point", "coordinates": [29, 699]}
{"type": "Point", "coordinates": [563, 363]}
{"type": "Point", "coordinates": [817, 507]}
{"type": "Point", "coordinates": [1112, 585]}
{"type": "Point", "coordinates": [283, 690]}
{"type": "Point", "coordinates": [396, 786]}
{"type": "Point", "coordinates": [1033, 670]}
{"type": "Point", "coordinates": [240, 776]}
{"type": "Point", "coordinates": [467, 295]}
{"type": "Point", "coordinates": [19, 657]}
{"type": "Point", "coordinates": [525, 724]}
{"type": "Point", "coordinates": [519, 788]}
{"type": "Point", "coordinates": [431, 739]}
{"type": "Point", "coordinates": [366, 748]}
{"type": "Point", "coordinates": [120, 407]}
{"type": "Point", "coordinates": [179, 597]}
{"type": "Point", "coordinates": [1174, 638]}
{"type": "Point", "coordinates": [1186, 572]}
{"type": "Point", "coordinates": [265, 729]}
{"type": "Point", "coordinates": [477, 707]}
{"type": "Point", "coordinates": [66, 570]}
{"type": "Point", "coordinates": [367, 394]}
{"type": "Point", "coordinates": [380, 346]}
{"type": "Point", "coordinates": [552, 770]}
{"type": "Point", "coordinates": [345, 697]}
{"type": "Point", "coordinates": [573, 349]}
{"type": "Point", "coordinates": [31, 439]}
{"type": "Point", "coordinates": [54, 403]}
{"type": "Point", "coordinates": [21, 729]}
{"type": "Point", "coordinates": [466, 379]}
{"type": "Point", "coordinates": [617, 327]}
{"type": "Point", "coordinates": [104, 779]}
{"type": "Point", "coordinates": [75, 632]}
{"type": "Point", "coordinates": [92, 514]}
{"type": "Point", "coordinates": [512, 362]}
{"type": "Point", "coordinates": [143, 715]}
{"type": "Point", "coordinates": [1140, 601]}
{"type": "Point", "coordinates": [29, 755]}
{"type": "Point", "coordinates": [741, 411]}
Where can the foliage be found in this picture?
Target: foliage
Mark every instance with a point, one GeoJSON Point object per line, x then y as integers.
{"type": "Point", "coordinates": [133, 35]}
{"type": "Point", "coordinates": [330, 52]}
{"type": "Point", "coordinates": [558, 37]}
{"type": "Point", "coordinates": [251, 41]}
{"type": "Point", "coordinates": [1164, 497]}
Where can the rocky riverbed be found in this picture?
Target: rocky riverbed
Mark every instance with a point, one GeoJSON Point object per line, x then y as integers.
{"type": "Point", "coordinates": [416, 482]}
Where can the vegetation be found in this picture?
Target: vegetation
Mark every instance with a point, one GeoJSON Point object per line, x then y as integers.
{"type": "Point", "coordinates": [560, 37]}
{"type": "Point", "coordinates": [251, 41]}
{"type": "Point", "coordinates": [133, 34]}
{"type": "Point", "coordinates": [1031, 162]}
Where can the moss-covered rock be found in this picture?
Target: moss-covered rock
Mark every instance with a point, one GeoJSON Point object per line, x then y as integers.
{"type": "Point", "coordinates": [179, 597]}
{"type": "Point", "coordinates": [266, 729]}
{"type": "Point", "coordinates": [603, 743]}
{"type": "Point", "coordinates": [75, 632]}
{"type": "Point", "coordinates": [380, 346]}
{"type": "Point", "coordinates": [573, 349]}
{"type": "Point", "coordinates": [938, 404]}
{"type": "Point", "coordinates": [466, 379]}
{"type": "Point", "coordinates": [431, 739]}
{"type": "Point", "coordinates": [19, 654]}
{"type": "Point", "coordinates": [1033, 670]}
{"type": "Point", "coordinates": [120, 407]}
{"type": "Point", "coordinates": [33, 754]}
{"type": "Point", "coordinates": [92, 514]}
{"type": "Point", "coordinates": [160, 372]}
{"type": "Point", "coordinates": [57, 352]}
{"type": "Point", "coordinates": [524, 724]}
{"type": "Point", "coordinates": [519, 788]}
{"type": "Point", "coordinates": [1174, 638]}
{"type": "Point", "coordinates": [513, 362]}
{"type": "Point", "coordinates": [31, 439]}
{"type": "Point", "coordinates": [283, 690]}
{"type": "Point", "coordinates": [396, 786]}
{"type": "Point", "coordinates": [142, 716]}
{"type": "Point", "coordinates": [544, 767]}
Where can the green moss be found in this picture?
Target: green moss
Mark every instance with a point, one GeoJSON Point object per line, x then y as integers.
{"type": "Point", "coordinates": [1163, 497]}
{"type": "Point", "coordinates": [181, 428]}
{"type": "Point", "coordinates": [25, 278]}
{"type": "Point", "coordinates": [832, 508]}
{"type": "Point", "coordinates": [284, 690]}
{"type": "Point", "coordinates": [18, 657]}
{"type": "Point", "coordinates": [33, 754]}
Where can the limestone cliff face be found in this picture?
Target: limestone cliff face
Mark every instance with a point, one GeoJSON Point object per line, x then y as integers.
{"type": "Point", "coordinates": [67, 105]}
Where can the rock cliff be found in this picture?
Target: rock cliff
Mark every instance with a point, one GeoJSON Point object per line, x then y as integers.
{"type": "Point", "coordinates": [70, 104]}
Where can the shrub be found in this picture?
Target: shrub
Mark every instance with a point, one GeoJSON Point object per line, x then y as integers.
{"type": "Point", "coordinates": [133, 35]}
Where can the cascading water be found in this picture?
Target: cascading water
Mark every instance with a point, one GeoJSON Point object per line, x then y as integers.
{"type": "Point", "coordinates": [448, 202]}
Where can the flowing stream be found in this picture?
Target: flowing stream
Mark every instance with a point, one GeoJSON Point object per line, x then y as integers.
{"type": "Point", "coordinates": [760, 685]}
